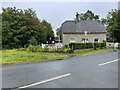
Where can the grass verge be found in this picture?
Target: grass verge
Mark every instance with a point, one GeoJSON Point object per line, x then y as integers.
{"type": "Point", "coordinates": [91, 51]}
{"type": "Point", "coordinates": [15, 56]}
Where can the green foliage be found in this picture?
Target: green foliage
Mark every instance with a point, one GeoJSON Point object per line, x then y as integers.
{"type": "Point", "coordinates": [64, 50]}
{"type": "Point", "coordinates": [59, 33]}
{"type": "Point", "coordinates": [38, 48]}
{"type": "Point", "coordinates": [113, 25]}
{"type": "Point", "coordinates": [100, 45]}
{"type": "Point", "coordinates": [33, 48]}
{"type": "Point", "coordinates": [89, 15]}
{"type": "Point", "coordinates": [66, 46]}
{"type": "Point", "coordinates": [22, 27]}
{"type": "Point", "coordinates": [75, 46]}
{"type": "Point", "coordinates": [32, 41]}
{"type": "Point", "coordinates": [48, 31]}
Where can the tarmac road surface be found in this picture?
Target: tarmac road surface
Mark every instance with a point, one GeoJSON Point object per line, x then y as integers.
{"type": "Point", "coordinates": [92, 71]}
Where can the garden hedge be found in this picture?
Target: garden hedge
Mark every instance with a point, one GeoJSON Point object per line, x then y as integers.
{"type": "Point", "coordinates": [75, 46]}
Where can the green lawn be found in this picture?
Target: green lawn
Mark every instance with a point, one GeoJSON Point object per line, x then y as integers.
{"type": "Point", "coordinates": [15, 56]}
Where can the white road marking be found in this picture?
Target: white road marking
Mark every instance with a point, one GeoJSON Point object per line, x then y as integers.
{"type": "Point", "coordinates": [44, 81]}
{"type": "Point", "coordinates": [109, 62]}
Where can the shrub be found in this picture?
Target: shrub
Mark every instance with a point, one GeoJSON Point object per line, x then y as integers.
{"type": "Point", "coordinates": [31, 48]}
{"type": "Point", "coordinates": [21, 49]}
{"type": "Point", "coordinates": [66, 46]}
{"type": "Point", "coordinates": [67, 50]}
{"type": "Point", "coordinates": [100, 45]}
{"type": "Point", "coordinates": [75, 46]}
{"type": "Point", "coordinates": [34, 48]}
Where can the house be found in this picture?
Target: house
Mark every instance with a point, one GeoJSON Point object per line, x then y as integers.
{"type": "Point", "coordinates": [83, 31]}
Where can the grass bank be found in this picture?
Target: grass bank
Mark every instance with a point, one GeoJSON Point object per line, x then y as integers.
{"type": "Point", "coordinates": [15, 56]}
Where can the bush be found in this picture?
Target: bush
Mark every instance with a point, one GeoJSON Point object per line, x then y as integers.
{"type": "Point", "coordinates": [75, 46]}
{"type": "Point", "coordinates": [34, 48]}
{"type": "Point", "coordinates": [45, 50]}
{"type": "Point", "coordinates": [38, 48]}
{"type": "Point", "coordinates": [66, 46]}
{"type": "Point", "coordinates": [68, 50]}
{"type": "Point", "coordinates": [100, 45]}
{"type": "Point", "coordinates": [21, 49]}
{"type": "Point", "coordinates": [31, 48]}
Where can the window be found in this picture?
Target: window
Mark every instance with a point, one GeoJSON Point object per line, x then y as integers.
{"type": "Point", "coordinates": [96, 40]}
{"type": "Point", "coordinates": [84, 39]}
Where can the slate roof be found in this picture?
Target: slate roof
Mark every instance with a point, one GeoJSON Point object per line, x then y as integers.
{"type": "Point", "coordinates": [91, 26]}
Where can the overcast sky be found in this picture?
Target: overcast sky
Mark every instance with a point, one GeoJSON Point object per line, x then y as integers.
{"type": "Point", "coordinates": [57, 12]}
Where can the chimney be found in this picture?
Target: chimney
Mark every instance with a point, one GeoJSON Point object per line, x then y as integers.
{"type": "Point", "coordinates": [77, 17]}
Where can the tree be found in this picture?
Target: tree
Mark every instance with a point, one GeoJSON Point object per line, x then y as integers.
{"type": "Point", "coordinates": [59, 33]}
{"type": "Point", "coordinates": [22, 27]}
{"type": "Point", "coordinates": [112, 22]}
{"type": "Point", "coordinates": [89, 15]}
{"type": "Point", "coordinates": [48, 29]}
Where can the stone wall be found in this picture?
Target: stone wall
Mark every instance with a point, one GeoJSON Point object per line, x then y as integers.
{"type": "Point", "coordinates": [67, 38]}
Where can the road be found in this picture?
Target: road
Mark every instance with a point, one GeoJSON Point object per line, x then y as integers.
{"type": "Point", "coordinates": [92, 71]}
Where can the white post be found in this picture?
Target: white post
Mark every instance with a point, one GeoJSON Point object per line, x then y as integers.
{"type": "Point", "coordinates": [85, 35]}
